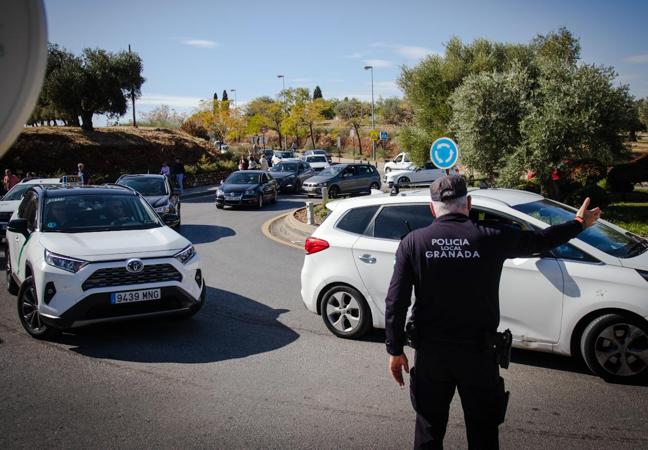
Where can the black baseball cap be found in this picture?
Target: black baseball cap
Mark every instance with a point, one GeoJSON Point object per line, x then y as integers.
{"type": "Point", "coordinates": [448, 187]}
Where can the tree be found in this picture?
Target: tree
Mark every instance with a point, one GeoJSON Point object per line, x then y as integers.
{"type": "Point", "coordinates": [265, 112]}
{"type": "Point", "coordinates": [317, 93]}
{"type": "Point", "coordinates": [215, 104]}
{"type": "Point", "coordinates": [642, 106]}
{"type": "Point", "coordinates": [162, 116]}
{"type": "Point", "coordinates": [394, 110]}
{"type": "Point", "coordinates": [224, 96]}
{"type": "Point", "coordinates": [353, 112]}
{"type": "Point", "coordinates": [308, 114]}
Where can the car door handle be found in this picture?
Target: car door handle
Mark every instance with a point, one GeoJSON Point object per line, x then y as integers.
{"type": "Point", "coordinates": [367, 259]}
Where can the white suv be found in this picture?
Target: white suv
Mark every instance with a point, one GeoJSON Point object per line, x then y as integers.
{"type": "Point", "coordinates": [80, 255]}
{"type": "Point", "coordinates": [11, 199]}
{"type": "Point", "coordinates": [400, 162]}
{"type": "Point", "coordinates": [589, 296]}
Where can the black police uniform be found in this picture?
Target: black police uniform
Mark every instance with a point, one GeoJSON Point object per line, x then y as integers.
{"type": "Point", "coordinates": [455, 266]}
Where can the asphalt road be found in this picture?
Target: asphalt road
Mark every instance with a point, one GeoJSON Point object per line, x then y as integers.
{"type": "Point", "coordinates": [254, 369]}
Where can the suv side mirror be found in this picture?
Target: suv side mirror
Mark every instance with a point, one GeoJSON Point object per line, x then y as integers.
{"type": "Point", "coordinates": [171, 220]}
{"type": "Point", "coordinates": [18, 226]}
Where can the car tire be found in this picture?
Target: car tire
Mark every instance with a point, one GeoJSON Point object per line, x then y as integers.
{"type": "Point", "coordinates": [611, 346]}
{"type": "Point", "coordinates": [28, 312]}
{"type": "Point", "coordinates": [334, 192]}
{"type": "Point", "coordinates": [374, 186]}
{"type": "Point", "coordinates": [260, 201]}
{"type": "Point", "coordinates": [387, 169]}
{"type": "Point", "coordinates": [345, 312]}
{"type": "Point", "coordinates": [220, 206]}
{"type": "Point", "coordinates": [12, 286]}
{"type": "Point", "coordinates": [297, 187]}
{"type": "Point", "coordinates": [403, 180]}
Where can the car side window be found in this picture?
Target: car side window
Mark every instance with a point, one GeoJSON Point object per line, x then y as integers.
{"type": "Point", "coordinates": [22, 208]}
{"type": "Point", "coordinates": [569, 252]}
{"type": "Point", "coordinates": [394, 222]}
{"type": "Point", "coordinates": [488, 218]}
{"type": "Point", "coordinates": [398, 159]}
{"type": "Point", "coordinates": [363, 170]}
{"type": "Point", "coordinates": [406, 158]}
{"type": "Point", "coordinates": [349, 172]}
{"type": "Point", "coordinates": [30, 212]}
{"type": "Point", "coordinates": [357, 219]}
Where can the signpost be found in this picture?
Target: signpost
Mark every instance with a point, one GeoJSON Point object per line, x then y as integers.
{"type": "Point", "coordinates": [444, 153]}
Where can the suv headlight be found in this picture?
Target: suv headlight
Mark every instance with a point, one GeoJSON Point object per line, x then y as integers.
{"type": "Point", "coordinates": [185, 255]}
{"type": "Point", "coordinates": [72, 265]}
{"type": "Point", "coordinates": [219, 192]}
{"type": "Point", "coordinates": [163, 209]}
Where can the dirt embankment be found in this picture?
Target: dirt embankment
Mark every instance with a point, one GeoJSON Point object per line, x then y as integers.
{"type": "Point", "coordinates": [106, 152]}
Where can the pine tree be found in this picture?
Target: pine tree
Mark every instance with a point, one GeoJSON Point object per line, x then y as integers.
{"type": "Point", "coordinates": [224, 97]}
{"type": "Point", "coordinates": [317, 93]}
{"type": "Point", "coordinates": [215, 104]}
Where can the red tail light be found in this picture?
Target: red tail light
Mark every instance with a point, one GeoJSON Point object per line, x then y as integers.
{"type": "Point", "coordinates": [314, 245]}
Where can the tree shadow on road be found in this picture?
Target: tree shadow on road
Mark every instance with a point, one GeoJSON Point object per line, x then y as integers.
{"type": "Point", "coordinates": [229, 326]}
{"type": "Point", "coordinates": [203, 234]}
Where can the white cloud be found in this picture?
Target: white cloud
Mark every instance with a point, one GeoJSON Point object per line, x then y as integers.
{"type": "Point", "coordinates": [354, 55]}
{"type": "Point", "coordinates": [201, 43]}
{"type": "Point", "coordinates": [637, 59]}
{"type": "Point", "coordinates": [410, 52]}
{"type": "Point", "coordinates": [379, 63]}
{"type": "Point", "coordinates": [174, 101]}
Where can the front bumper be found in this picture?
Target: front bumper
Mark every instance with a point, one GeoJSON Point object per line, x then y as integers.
{"type": "Point", "coordinates": [97, 308]}
{"type": "Point", "coordinates": [312, 190]}
{"type": "Point", "coordinates": [242, 200]}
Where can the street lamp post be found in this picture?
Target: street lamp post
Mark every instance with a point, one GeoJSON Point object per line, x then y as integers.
{"type": "Point", "coordinates": [283, 88]}
{"type": "Point", "coordinates": [234, 90]}
{"type": "Point", "coordinates": [373, 120]}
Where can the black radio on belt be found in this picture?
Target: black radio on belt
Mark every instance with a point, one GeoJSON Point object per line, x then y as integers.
{"type": "Point", "coordinates": [502, 346]}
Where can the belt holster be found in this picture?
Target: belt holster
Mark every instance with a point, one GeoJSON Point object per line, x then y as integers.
{"type": "Point", "coordinates": [413, 338]}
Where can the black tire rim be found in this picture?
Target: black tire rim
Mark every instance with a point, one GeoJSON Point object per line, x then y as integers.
{"type": "Point", "coordinates": [374, 186]}
{"type": "Point", "coordinates": [334, 192]}
{"type": "Point", "coordinates": [29, 310]}
{"type": "Point", "coordinates": [622, 350]}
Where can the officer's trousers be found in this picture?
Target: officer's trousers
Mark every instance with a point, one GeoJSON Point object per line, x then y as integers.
{"type": "Point", "coordinates": [437, 372]}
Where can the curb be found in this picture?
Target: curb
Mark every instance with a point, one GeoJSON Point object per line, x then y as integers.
{"type": "Point", "coordinates": [265, 229]}
{"type": "Point", "coordinates": [301, 226]}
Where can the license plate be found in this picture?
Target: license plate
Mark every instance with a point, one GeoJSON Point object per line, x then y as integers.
{"type": "Point", "coordinates": [135, 296]}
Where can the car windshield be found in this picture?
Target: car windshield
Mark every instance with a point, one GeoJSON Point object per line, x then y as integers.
{"type": "Point", "coordinates": [600, 236]}
{"type": "Point", "coordinates": [18, 190]}
{"type": "Point", "coordinates": [316, 159]}
{"type": "Point", "coordinates": [147, 186]}
{"type": "Point", "coordinates": [243, 178]}
{"type": "Point", "coordinates": [97, 212]}
{"type": "Point", "coordinates": [284, 167]}
{"type": "Point", "coordinates": [331, 171]}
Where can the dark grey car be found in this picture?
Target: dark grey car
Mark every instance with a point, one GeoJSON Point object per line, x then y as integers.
{"type": "Point", "coordinates": [344, 179]}
{"type": "Point", "coordinates": [157, 190]}
{"type": "Point", "coordinates": [291, 174]}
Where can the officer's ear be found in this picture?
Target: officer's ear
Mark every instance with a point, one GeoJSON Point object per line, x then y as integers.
{"type": "Point", "coordinates": [468, 202]}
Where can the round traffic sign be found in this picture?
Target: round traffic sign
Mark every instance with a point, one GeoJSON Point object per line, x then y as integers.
{"type": "Point", "coordinates": [444, 153]}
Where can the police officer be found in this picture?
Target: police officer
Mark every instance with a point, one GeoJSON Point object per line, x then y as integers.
{"type": "Point", "coordinates": [454, 265]}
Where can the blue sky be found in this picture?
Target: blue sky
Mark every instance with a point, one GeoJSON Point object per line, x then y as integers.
{"type": "Point", "coordinates": [192, 49]}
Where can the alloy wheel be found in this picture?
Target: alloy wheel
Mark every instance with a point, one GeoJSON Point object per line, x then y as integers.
{"type": "Point", "coordinates": [29, 310]}
{"type": "Point", "coordinates": [622, 349]}
{"type": "Point", "coordinates": [343, 312]}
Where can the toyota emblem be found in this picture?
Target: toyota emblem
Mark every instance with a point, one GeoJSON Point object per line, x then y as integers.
{"type": "Point", "coordinates": [134, 265]}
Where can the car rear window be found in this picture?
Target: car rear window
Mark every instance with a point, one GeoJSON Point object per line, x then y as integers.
{"type": "Point", "coordinates": [357, 219]}
{"type": "Point", "coordinates": [394, 222]}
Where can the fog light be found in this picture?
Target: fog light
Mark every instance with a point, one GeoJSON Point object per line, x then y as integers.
{"type": "Point", "coordinates": [50, 292]}
{"type": "Point", "coordinates": [199, 277]}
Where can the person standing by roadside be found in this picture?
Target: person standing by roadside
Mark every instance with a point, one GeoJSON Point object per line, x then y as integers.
{"type": "Point", "coordinates": [179, 173]}
{"type": "Point", "coordinates": [454, 320]}
{"type": "Point", "coordinates": [84, 176]}
{"type": "Point", "coordinates": [165, 170]}
{"type": "Point", "coordinates": [243, 163]}
{"type": "Point", "coordinates": [9, 180]}
{"type": "Point", "coordinates": [253, 163]}
{"type": "Point", "coordinates": [263, 162]}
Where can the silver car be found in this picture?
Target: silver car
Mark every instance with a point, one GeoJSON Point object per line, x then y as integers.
{"type": "Point", "coordinates": [344, 179]}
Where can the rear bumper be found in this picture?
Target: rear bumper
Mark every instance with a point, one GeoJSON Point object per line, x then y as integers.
{"type": "Point", "coordinates": [96, 308]}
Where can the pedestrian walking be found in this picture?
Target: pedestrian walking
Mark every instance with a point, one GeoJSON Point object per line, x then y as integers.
{"type": "Point", "coordinates": [263, 162]}
{"type": "Point", "coordinates": [9, 180]}
{"type": "Point", "coordinates": [243, 163]}
{"type": "Point", "coordinates": [83, 174]}
{"type": "Point", "coordinates": [253, 164]}
{"type": "Point", "coordinates": [454, 266]}
{"type": "Point", "coordinates": [165, 170]}
{"type": "Point", "coordinates": [179, 173]}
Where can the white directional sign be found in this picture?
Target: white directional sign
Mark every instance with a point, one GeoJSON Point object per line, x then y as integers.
{"type": "Point", "coordinates": [444, 153]}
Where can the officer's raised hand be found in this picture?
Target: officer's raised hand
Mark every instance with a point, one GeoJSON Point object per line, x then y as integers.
{"type": "Point", "coordinates": [396, 366]}
{"type": "Point", "coordinates": [588, 217]}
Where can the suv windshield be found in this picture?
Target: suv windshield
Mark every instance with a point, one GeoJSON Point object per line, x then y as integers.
{"type": "Point", "coordinates": [284, 167]}
{"type": "Point", "coordinates": [243, 178]}
{"type": "Point", "coordinates": [332, 171]}
{"type": "Point", "coordinates": [97, 212]}
{"type": "Point", "coordinates": [600, 236]}
{"type": "Point", "coordinates": [147, 186]}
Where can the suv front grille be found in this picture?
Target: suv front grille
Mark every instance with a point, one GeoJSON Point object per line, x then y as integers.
{"type": "Point", "coordinates": [119, 276]}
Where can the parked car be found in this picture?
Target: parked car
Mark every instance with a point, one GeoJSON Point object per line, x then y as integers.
{"type": "Point", "coordinates": [247, 188]}
{"type": "Point", "coordinates": [81, 255]}
{"type": "Point", "coordinates": [11, 199]}
{"type": "Point", "coordinates": [400, 162]}
{"type": "Point", "coordinates": [426, 174]}
{"type": "Point", "coordinates": [282, 154]}
{"type": "Point", "coordinates": [588, 297]}
{"type": "Point", "coordinates": [344, 179]}
{"type": "Point", "coordinates": [157, 190]}
{"type": "Point", "coordinates": [291, 174]}
{"type": "Point", "coordinates": [318, 152]}
{"type": "Point", "coordinates": [317, 162]}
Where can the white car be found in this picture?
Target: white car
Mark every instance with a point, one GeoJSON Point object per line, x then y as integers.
{"type": "Point", "coordinates": [427, 174]}
{"type": "Point", "coordinates": [11, 199]}
{"type": "Point", "coordinates": [400, 162]}
{"type": "Point", "coordinates": [280, 155]}
{"type": "Point", "coordinates": [589, 296]}
{"type": "Point", "coordinates": [317, 162]}
{"type": "Point", "coordinates": [81, 255]}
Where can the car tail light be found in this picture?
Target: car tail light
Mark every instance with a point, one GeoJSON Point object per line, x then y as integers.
{"type": "Point", "coordinates": [314, 245]}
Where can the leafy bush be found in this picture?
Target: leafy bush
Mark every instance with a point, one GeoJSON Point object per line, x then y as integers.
{"type": "Point", "coordinates": [195, 129]}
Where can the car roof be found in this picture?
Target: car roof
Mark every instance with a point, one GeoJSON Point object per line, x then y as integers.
{"type": "Point", "coordinates": [143, 175]}
{"type": "Point", "coordinates": [65, 191]}
{"type": "Point", "coordinates": [249, 171]}
{"type": "Point", "coordinates": [42, 181]}
{"type": "Point", "coordinates": [508, 197]}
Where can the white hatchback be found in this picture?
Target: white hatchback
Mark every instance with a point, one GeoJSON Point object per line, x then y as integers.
{"type": "Point", "coordinates": [11, 199]}
{"type": "Point", "coordinates": [589, 296]}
